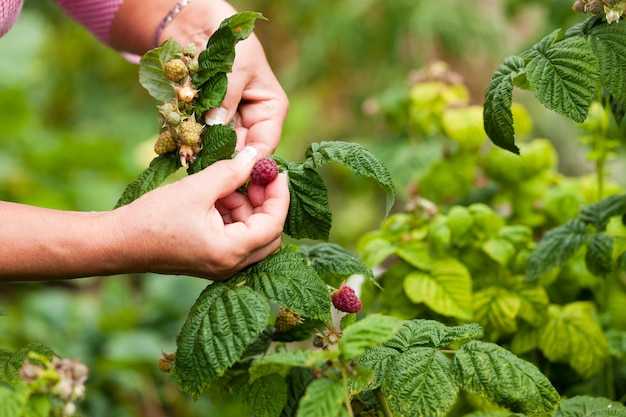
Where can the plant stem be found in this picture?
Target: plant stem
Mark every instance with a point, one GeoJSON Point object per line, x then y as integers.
{"type": "Point", "coordinates": [383, 403]}
{"type": "Point", "coordinates": [347, 400]}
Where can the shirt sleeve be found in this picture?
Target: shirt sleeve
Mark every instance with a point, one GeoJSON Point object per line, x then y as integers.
{"type": "Point", "coordinates": [95, 15]}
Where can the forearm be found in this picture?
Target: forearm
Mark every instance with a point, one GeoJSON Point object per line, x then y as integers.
{"type": "Point", "coordinates": [135, 23]}
{"type": "Point", "coordinates": [37, 244]}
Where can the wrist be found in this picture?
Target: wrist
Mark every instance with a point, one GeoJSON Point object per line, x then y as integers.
{"type": "Point", "coordinates": [135, 26]}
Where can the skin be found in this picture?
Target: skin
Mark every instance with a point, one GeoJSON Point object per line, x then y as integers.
{"type": "Point", "coordinates": [198, 226]}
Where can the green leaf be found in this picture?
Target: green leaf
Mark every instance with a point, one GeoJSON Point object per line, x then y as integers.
{"type": "Point", "coordinates": [11, 362]}
{"type": "Point", "coordinates": [323, 398]}
{"type": "Point", "coordinates": [598, 257]}
{"type": "Point", "coordinates": [556, 247]}
{"type": "Point", "coordinates": [10, 403]}
{"type": "Point", "coordinates": [420, 383]}
{"type": "Point", "coordinates": [564, 74]}
{"type": "Point", "coordinates": [218, 142]}
{"type": "Point", "coordinates": [211, 93]}
{"type": "Point", "coordinates": [221, 325]}
{"type": "Point", "coordinates": [309, 215]}
{"type": "Point", "coordinates": [599, 214]}
{"type": "Point", "coordinates": [297, 382]}
{"type": "Point", "coordinates": [431, 333]}
{"type": "Point", "coordinates": [607, 42]}
{"type": "Point", "coordinates": [373, 330]}
{"type": "Point", "coordinates": [378, 359]}
{"type": "Point", "coordinates": [267, 396]}
{"type": "Point", "coordinates": [446, 289]}
{"type": "Point", "coordinates": [586, 406]}
{"type": "Point", "coordinates": [333, 261]}
{"type": "Point", "coordinates": [38, 405]}
{"type": "Point", "coordinates": [160, 168]}
{"type": "Point", "coordinates": [151, 75]}
{"type": "Point", "coordinates": [496, 308]}
{"type": "Point", "coordinates": [354, 157]}
{"type": "Point", "coordinates": [497, 114]}
{"type": "Point", "coordinates": [586, 349]}
{"type": "Point", "coordinates": [219, 54]}
{"type": "Point", "coordinates": [492, 372]}
{"type": "Point", "coordinates": [285, 278]}
{"type": "Point", "coordinates": [282, 363]}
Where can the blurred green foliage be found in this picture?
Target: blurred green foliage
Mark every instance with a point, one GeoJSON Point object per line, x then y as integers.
{"type": "Point", "coordinates": [76, 127]}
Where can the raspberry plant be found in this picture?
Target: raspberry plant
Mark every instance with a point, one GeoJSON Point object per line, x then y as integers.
{"type": "Point", "coordinates": [268, 336]}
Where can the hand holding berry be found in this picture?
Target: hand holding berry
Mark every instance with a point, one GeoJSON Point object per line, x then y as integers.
{"type": "Point", "coordinates": [201, 226]}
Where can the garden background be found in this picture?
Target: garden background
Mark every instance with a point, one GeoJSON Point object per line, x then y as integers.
{"type": "Point", "coordinates": [76, 127]}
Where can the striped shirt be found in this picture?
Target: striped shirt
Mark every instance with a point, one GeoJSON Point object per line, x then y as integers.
{"type": "Point", "coordinates": [95, 15]}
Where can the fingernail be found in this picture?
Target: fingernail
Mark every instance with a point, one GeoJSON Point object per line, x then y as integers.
{"type": "Point", "coordinates": [215, 116]}
{"type": "Point", "coordinates": [246, 155]}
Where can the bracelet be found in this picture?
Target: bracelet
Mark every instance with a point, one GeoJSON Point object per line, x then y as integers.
{"type": "Point", "coordinates": [167, 19]}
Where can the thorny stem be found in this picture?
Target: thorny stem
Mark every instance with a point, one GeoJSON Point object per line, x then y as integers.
{"type": "Point", "coordinates": [383, 403]}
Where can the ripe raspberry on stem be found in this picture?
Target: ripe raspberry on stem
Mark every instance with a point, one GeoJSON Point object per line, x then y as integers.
{"type": "Point", "coordinates": [345, 299]}
{"type": "Point", "coordinates": [264, 171]}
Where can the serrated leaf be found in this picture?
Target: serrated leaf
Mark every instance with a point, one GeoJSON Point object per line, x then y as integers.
{"type": "Point", "coordinates": [379, 359]}
{"type": "Point", "coordinates": [159, 169]}
{"type": "Point", "coordinates": [373, 330]}
{"type": "Point", "coordinates": [283, 362]}
{"type": "Point", "coordinates": [218, 142]}
{"type": "Point", "coordinates": [323, 398]}
{"type": "Point", "coordinates": [267, 395]}
{"type": "Point", "coordinates": [297, 381]}
{"type": "Point", "coordinates": [420, 383]}
{"type": "Point", "coordinates": [285, 278]}
{"type": "Point", "coordinates": [11, 362]}
{"type": "Point", "coordinates": [309, 215]}
{"type": "Point", "coordinates": [221, 325]}
{"type": "Point", "coordinates": [564, 74]}
{"type": "Point", "coordinates": [356, 158]}
{"type": "Point", "coordinates": [211, 93]}
{"type": "Point", "coordinates": [446, 289]}
{"type": "Point", "coordinates": [556, 247]}
{"type": "Point", "coordinates": [587, 406]}
{"type": "Point", "coordinates": [599, 214]}
{"type": "Point", "coordinates": [534, 302]}
{"type": "Point", "coordinates": [219, 54]}
{"type": "Point", "coordinates": [497, 114]}
{"type": "Point", "coordinates": [607, 42]}
{"type": "Point", "coordinates": [333, 262]}
{"type": "Point", "coordinates": [496, 309]}
{"type": "Point", "coordinates": [492, 372]}
{"type": "Point", "coordinates": [431, 333]}
{"type": "Point", "coordinates": [151, 75]}
{"type": "Point", "coordinates": [586, 349]}
{"type": "Point", "coordinates": [598, 257]}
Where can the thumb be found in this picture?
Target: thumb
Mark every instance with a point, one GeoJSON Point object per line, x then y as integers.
{"type": "Point", "coordinates": [227, 175]}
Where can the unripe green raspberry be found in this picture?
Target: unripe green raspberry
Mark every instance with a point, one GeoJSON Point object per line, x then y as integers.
{"type": "Point", "coordinates": [165, 143]}
{"type": "Point", "coordinates": [175, 70]}
{"type": "Point", "coordinates": [190, 50]}
{"type": "Point", "coordinates": [286, 320]}
{"type": "Point", "coordinates": [189, 132]}
{"type": "Point", "coordinates": [172, 118]}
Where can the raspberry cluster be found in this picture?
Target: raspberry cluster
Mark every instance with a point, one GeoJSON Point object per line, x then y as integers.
{"type": "Point", "coordinates": [180, 130]}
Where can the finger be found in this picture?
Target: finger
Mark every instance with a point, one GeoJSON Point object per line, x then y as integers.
{"type": "Point", "coordinates": [224, 177]}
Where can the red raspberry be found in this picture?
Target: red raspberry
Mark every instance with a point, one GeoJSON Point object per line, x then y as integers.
{"type": "Point", "coordinates": [346, 300]}
{"type": "Point", "coordinates": [264, 171]}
